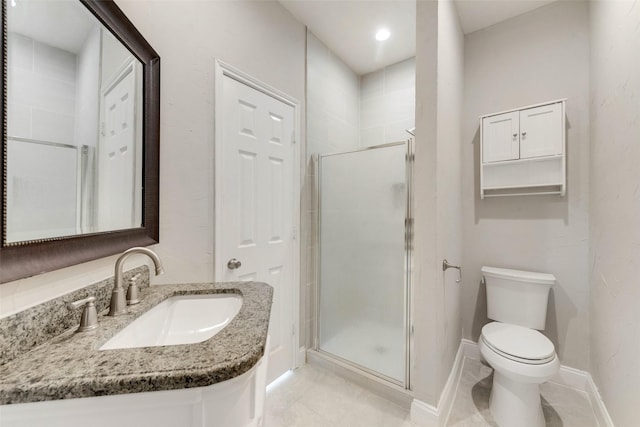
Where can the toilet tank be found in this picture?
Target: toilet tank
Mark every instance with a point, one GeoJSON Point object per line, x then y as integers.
{"type": "Point", "coordinates": [517, 297]}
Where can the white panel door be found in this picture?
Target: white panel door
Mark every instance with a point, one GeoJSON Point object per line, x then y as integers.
{"type": "Point", "coordinates": [116, 155]}
{"type": "Point", "coordinates": [500, 137]}
{"type": "Point", "coordinates": [257, 225]}
{"type": "Point", "coordinates": [541, 131]}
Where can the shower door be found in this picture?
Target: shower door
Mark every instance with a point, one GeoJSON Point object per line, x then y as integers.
{"type": "Point", "coordinates": [363, 273]}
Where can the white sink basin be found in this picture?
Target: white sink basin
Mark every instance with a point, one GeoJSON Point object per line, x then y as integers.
{"type": "Point", "coordinates": [184, 319]}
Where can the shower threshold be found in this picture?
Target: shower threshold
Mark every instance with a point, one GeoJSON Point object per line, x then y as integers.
{"type": "Point", "coordinates": [384, 387]}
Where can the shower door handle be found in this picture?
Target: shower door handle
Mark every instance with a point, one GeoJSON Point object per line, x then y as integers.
{"type": "Point", "coordinates": [233, 263]}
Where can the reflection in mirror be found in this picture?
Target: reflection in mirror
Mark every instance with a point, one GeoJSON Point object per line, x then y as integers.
{"type": "Point", "coordinates": [74, 124]}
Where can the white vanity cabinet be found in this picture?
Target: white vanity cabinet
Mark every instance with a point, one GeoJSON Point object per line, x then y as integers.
{"type": "Point", "coordinates": [523, 151]}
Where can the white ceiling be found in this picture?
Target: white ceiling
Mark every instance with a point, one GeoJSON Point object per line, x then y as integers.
{"type": "Point", "coordinates": [348, 26]}
{"type": "Point", "coordinates": [478, 14]}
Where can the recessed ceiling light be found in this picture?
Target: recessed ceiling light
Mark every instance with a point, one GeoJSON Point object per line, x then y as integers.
{"type": "Point", "coordinates": [382, 34]}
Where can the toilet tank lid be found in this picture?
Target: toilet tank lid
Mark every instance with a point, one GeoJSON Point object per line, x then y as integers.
{"type": "Point", "coordinates": [523, 276]}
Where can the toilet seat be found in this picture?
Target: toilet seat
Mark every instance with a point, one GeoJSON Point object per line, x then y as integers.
{"type": "Point", "coordinates": [518, 343]}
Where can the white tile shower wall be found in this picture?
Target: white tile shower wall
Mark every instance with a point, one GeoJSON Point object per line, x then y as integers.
{"type": "Point", "coordinates": [332, 101]}
{"type": "Point", "coordinates": [253, 36]}
{"type": "Point", "coordinates": [41, 92]}
{"type": "Point", "coordinates": [333, 120]}
{"type": "Point", "coordinates": [348, 112]}
{"type": "Point", "coordinates": [387, 103]}
{"type": "Point", "coordinates": [536, 57]}
{"type": "Point", "coordinates": [87, 90]}
{"type": "Point", "coordinates": [615, 207]}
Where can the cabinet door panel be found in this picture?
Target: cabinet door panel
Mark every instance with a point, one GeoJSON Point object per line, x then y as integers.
{"type": "Point", "coordinates": [500, 137]}
{"type": "Point", "coordinates": [541, 131]}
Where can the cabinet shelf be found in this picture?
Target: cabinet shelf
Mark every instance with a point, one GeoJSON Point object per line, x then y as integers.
{"type": "Point", "coordinates": [529, 160]}
{"type": "Point", "coordinates": [513, 187]}
{"type": "Point", "coordinates": [526, 193]}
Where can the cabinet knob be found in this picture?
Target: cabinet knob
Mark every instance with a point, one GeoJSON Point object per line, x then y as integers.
{"type": "Point", "coordinates": [524, 134]}
{"type": "Point", "coordinates": [515, 135]}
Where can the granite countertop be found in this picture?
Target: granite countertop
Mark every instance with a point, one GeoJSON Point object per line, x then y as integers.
{"type": "Point", "coordinates": [71, 366]}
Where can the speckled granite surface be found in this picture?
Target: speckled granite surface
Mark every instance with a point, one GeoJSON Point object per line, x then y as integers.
{"type": "Point", "coordinates": [29, 328]}
{"type": "Point", "coordinates": [71, 366]}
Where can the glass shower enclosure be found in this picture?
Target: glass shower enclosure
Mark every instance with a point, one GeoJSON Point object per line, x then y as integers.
{"type": "Point", "coordinates": [363, 291]}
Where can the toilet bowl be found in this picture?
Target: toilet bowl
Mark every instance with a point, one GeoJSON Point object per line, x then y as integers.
{"type": "Point", "coordinates": [522, 358]}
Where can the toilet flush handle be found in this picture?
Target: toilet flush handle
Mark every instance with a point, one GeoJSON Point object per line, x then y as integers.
{"type": "Point", "coordinates": [446, 266]}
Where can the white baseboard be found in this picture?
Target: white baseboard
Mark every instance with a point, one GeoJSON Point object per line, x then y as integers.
{"type": "Point", "coordinates": [602, 415]}
{"type": "Point", "coordinates": [451, 387]}
{"type": "Point", "coordinates": [571, 377]}
{"type": "Point", "coordinates": [301, 356]}
{"type": "Point", "coordinates": [424, 414]}
{"type": "Point", "coordinates": [427, 415]}
{"type": "Point", "coordinates": [470, 349]}
{"type": "Point", "coordinates": [566, 376]}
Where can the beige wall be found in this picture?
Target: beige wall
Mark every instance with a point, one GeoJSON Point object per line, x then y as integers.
{"type": "Point", "coordinates": [437, 215]}
{"type": "Point", "coordinates": [615, 207]}
{"type": "Point", "coordinates": [261, 39]}
{"type": "Point", "coordinates": [533, 58]}
{"type": "Point", "coordinates": [448, 179]}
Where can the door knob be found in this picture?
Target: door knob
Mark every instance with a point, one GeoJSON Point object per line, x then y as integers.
{"type": "Point", "coordinates": [233, 264]}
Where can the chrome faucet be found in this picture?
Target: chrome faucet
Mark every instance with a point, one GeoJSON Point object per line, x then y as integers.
{"type": "Point", "coordinates": [118, 303]}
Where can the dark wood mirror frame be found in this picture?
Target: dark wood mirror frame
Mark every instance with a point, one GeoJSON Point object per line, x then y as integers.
{"type": "Point", "coordinates": [25, 259]}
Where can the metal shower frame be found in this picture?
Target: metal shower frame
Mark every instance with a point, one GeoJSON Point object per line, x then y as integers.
{"type": "Point", "coordinates": [408, 264]}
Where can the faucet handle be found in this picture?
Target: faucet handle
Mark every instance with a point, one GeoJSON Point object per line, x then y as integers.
{"type": "Point", "coordinates": [89, 318]}
{"type": "Point", "coordinates": [133, 290]}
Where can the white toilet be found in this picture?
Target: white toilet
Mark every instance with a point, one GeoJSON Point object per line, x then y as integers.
{"type": "Point", "coordinates": [521, 357]}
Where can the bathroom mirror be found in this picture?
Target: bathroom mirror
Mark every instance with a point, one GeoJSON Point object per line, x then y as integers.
{"type": "Point", "coordinates": [80, 135]}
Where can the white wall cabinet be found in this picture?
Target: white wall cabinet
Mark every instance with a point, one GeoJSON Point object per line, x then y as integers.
{"type": "Point", "coordinates": [523, 151]}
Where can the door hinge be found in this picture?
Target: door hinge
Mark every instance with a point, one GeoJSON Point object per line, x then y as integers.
{"type": "Point", "coordinates": [293, 329]}
{"type": "Point", "coordinates": [294, 233]}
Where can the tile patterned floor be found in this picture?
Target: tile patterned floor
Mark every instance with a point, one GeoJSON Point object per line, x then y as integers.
{"type": "Point", "coordinates": [562, 406]}
{"type": "Point", "coordinates": [313, 397]}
